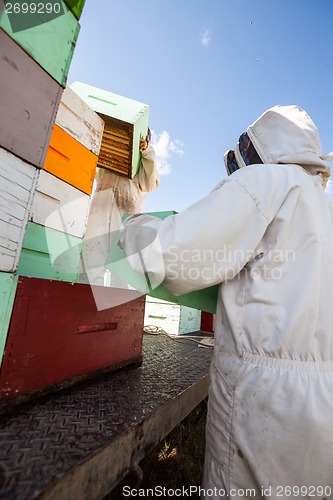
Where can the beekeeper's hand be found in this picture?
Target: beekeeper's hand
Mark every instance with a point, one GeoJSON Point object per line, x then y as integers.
{"type": "Point", "coordinates": [143, 144]}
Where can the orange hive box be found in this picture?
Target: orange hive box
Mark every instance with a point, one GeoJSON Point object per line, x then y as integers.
{"type": "Point", "coordinates": [70, 161]}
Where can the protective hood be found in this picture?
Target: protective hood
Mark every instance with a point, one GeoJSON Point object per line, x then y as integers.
{"type": "Point", "coordinates": [286, 134]}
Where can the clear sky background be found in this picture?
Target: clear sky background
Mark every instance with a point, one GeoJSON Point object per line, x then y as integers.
{"type": "Point", "coordinates": [207, 69]}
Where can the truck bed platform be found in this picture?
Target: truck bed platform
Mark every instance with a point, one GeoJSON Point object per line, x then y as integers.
{"type": "Point", "coordinates": [79, 443]}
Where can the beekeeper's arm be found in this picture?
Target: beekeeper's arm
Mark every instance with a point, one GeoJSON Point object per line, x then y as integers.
{"type": "Point", "coordinates": [147, 178]}
{"type": "Point", "coordinates": [206, 244]}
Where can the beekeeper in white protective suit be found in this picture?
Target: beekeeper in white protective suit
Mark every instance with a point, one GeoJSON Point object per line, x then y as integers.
{"type": "Point", "coordinates": [269, 228]}
{"type": "Point", "coordinates": [114, 196]}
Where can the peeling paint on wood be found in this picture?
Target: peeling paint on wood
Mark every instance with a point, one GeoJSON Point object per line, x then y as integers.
{"type": "Point", "coordinates": [18, 181]}
{"type": "Point", "coordinates": [80, 121]}
{"type": "Point", "coordinates": [29, 101]}
{"type": "Point", "coordinates": [59, 206]}
{"type": "Point", "coordinates": [50, 254]}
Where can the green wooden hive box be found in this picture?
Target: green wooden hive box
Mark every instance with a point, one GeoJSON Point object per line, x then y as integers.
{"type": "Point", "coordinates": [126, 121]}
{"type": "Point", "coordinates": [204, 300]}
{"type": "Point", "coordinates": [50, 254]}
{"type": "Point", "coordinates": [51, 44]}
{"type": "Point", "coordinates": [8, 284]}
{"type": "Point", "coordinates": [75, 6]}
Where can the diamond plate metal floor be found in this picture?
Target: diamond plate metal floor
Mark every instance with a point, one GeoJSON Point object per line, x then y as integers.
{"type": "Point", "coordinates": [80, 442]}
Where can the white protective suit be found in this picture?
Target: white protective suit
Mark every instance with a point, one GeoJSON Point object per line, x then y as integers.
{"type": "Point", "coordinates": [114, 196]}
{"type": "Point", "coordinates": [266, 234]}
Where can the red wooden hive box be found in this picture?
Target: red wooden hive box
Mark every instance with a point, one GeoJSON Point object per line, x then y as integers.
{"type": "Point", "coordinates": [57, 336]}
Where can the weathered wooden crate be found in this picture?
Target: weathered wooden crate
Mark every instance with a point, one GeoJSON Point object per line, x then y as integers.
{"type": "Point", "coordinates": [29, 100]}
{"type": "Point", "coordinates": [17, 184]}
{"type": "Point", "coordinates": [70, 161]}
{"type": "Point", "coordinates": [126, 121]}
{"type": "Point", "coordinates": [50, 44]}
{"type": "Point", "coordinates": [80, 121]}
{"type": "Point", "coordinates": [57, 337]}
{"type": "Point", "coordinates": [59, 206]}
{"type": "Point", "coordinates": [8, 283]}
{"type": "Point", "coordinates": [173, 318]}
{"type": "Point", "coordinates": [50, 254]}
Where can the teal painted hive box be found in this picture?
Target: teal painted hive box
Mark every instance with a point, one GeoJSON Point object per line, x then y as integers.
{"type": "Point", "coordinates": [50, 254]}
{"type": "Point", "coordinates": [51, 44]}
{"type": "Point", "coordinates": [8, 284]}
{"type": "Point", "coordinates": [117, 263]}
{"type": "Point", "coordinates": [126, 121]}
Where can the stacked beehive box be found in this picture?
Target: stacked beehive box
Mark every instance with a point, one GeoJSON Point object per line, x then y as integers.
{"type": "Point", "coordinates": [53, 239]}
{"type": "Point", "coordinates": [174, 319]}
{"type": "Point", "coordinates": [31, 80]}
{"type": "Point", "coordinates": [126, 121]}
{"type": "Point", "coordinates": [51, 333]}
{"type": "Point", "coordinates": [117, 262]}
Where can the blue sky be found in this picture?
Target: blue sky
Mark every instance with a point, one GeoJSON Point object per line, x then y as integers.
{"type": "Point", "coordinates": [207, 69]}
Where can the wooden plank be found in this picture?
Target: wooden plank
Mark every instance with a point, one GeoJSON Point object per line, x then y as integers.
{"type": "Point", "coordinates": [111, 149]}
{"type": "Point", "coordinates": [50, 254]}
{"type": "Point", "coordinates": [45, 343]}
{"type": "Point", "coordinates": [70, 161]}
{"type": "Point", "coordinates": [115, 167]}
{"type": "Point", "coordinates": [50, 44]}
{"type": "Point", "coordinates": [121, 137]}
{"type": "Point", "coordinates": [59, 206]}
{"type": "Point", "coordinates": [80, 121]}
{"type": "Point", "coordinates": [8, 283]}
{"type": "Point", "coordinates": [29, 101]}
{"type": "Point", "coordinates": [120, 114]}
{"type": "Point", "coordinates": [17, 184]}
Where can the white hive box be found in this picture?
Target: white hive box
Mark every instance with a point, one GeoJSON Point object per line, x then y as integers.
{"type": "Point", "coordinates": [17, 185]}
{"type": "Point", "coordinates": [60, 206]}
{"type": "Point", "coordinates": [80, 121]}
{"type": "Point", "coordinates": [174, 319]}
{"type": "Point", "coordinates": [126, 121]}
